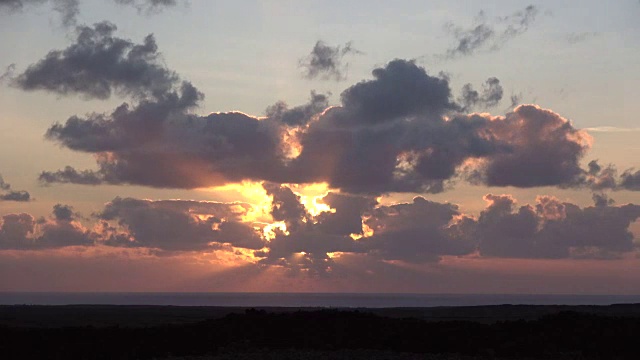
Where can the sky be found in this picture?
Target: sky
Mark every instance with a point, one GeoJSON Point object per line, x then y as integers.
{"type": "Point", "coordinates": [320, 146]}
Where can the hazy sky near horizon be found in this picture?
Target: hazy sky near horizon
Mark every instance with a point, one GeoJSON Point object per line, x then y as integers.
{"type": "Point", "coordinates": [441, 146]}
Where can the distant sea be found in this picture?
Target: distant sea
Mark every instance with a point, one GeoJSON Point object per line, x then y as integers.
{"type": "Point", "coordinates": [307, 299]}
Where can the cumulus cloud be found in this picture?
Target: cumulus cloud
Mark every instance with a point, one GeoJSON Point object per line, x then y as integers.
{"type": "Point", "coordinates": [554, 229]}
{"type": "Point", "coordinates": [606, 177]}
{"type": "Point", "coordinates": [425, 231]}
{"type": "Point", "coordinates": [543, 149]}
{"type": "Point", "coordinates": [176, 225]}
{"type": "Point", "coordinates": [299, 115]}
{"type": "Point", "coordinates": [398, 132]}
{"type": "Point", "coordinates": [7, 194]}
{"type": "Point", "coordinates": [61, 229]}
{"type": "Point", "coordinates": [99, 64]}
{"type": "Point", "coordinates": [420, 231]}
{"type": "Point", "coordinates": [168, 225]}
{"type": "Point", "coordinates": [325, 61]}
{"type": "Point", "coordinates": [490, 35]}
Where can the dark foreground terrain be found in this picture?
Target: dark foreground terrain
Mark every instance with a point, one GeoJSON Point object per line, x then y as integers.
{"type": "Point", "coordinates": [156, 332]}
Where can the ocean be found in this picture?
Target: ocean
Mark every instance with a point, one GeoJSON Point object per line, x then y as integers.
{"type": "Point", "coordinates": [332, 300]}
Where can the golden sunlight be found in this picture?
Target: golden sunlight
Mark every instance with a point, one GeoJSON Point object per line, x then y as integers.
{"type": "Point", "coordinates": [310, 194]}
{"type": "Point", "coordinates": [269, 230]}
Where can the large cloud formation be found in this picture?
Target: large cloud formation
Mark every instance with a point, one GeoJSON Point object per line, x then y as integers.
{"type": "Point", "coordinates": [421, 231]}
{"type": "Point", "coordinates": [167, 225]}
{"type": "Point", "coordinates": [398, 132]}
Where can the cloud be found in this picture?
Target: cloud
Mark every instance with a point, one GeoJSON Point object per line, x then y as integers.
{"type": "Point", "coordinates": [99, 64]}
{"type": "Point", "coordinates": [398, 132]}
{"type": "Point", "coordinates": [611, 129]}
{"type": "Point", "coordinates": [148, 5]}
{"type": "Point", "coordinates": [176, 225]}
{"type": "Point", "coordinates": [24, 232]}
{"type": "Point", "coordinates": [325, 61]}
{"type": "Point", "coordinates": [68, 9]}
{"type": "Point", "coordinates": [600, 178]}
{"type": "Point", "coordinates": [575, 38]}
{"type": "Point", "coordinates": [167, 225]}
{"type": "Point", "coordinates": [8, 73]}
{"type": "Point", "coordinates": [421, 231]}
{"type": "Point", "coordinates": [7, 194]}
{"type": "Point", "coordinates": [542, 149]}
{"type": "Point", "coordinates": [417, 232]}
{"type": "Point", "coordinates": [490, 36]}
{"type": "Point", "coordinates": [424, 231]}
{"type": "Point", "coordinates": [299, 115]}
{"type": "Point", "coordinates": [554, 229]}
{"type": "Point", "coordinates": [491, 95]}
{"type": "Point", "coordinates": [515, 99]}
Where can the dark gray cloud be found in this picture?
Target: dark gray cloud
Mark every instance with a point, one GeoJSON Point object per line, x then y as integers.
{"type": "Point", "coordinates": [299, 115]}
{"type": "Point", "coordinates": [99, 64]}
{"type": "Point", "coordinates": [491, 95]}
{"type": "Point", "coordinates": [489, 35]}
{"type": "Point", "coordinates": [515, 99]}
{"type": "Point", "coordinates": [70, 175]}
{"type": "Point", "coordinates": [176, 225]}
{"type": "Point", "coordinates": [158, 146]}
{"type": "Point", "coordinates": [416, 232]}
{"type": "Point", "coordinates": [600, 178]}
{"type": "Point", "coordinates": [542, 149]}
{"type": "Point", "coordinates": [421, 231]}
{"type": "Point", "coordinates": [8, 73]}
{"type": "Point", "coordinates": [167, 225]}
{"type": "Point", "coordinates": [7, 194]}
{"type": "Point", "coordinates": [399, 132]}
{"type": "Point", "coordinates": [554, 229]}
{"type": "Point", "coordinates": [325, 61]}
{"type": "Point", "coordinates": [425, 231]}
{"type": "Point", "coordinates": [24, 232]}
{"type": "Point", "coordinates": [630, 180]}
{"type": "Point", "coordinates": [286, 206]}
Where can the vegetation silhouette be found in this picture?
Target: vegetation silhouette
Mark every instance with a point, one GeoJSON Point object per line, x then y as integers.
{"type": "Point", "coordinates": [568, 334]}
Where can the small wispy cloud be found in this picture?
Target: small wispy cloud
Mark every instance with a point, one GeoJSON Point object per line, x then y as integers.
{"type": "Point", "coordinates": [325, 61]}
{"type": "Point", "coordinates": [612, 129]}
{"type": "Point", "coordinates": [489, 34]}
